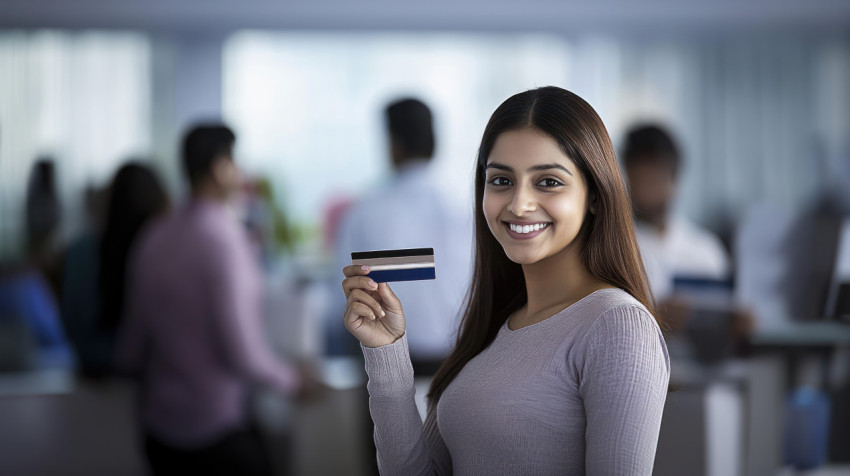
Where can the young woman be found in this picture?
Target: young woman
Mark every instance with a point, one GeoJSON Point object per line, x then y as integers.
{"type": "Point", "coordinates": [559, 367]}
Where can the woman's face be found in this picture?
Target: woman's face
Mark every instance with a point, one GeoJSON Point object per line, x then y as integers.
{"type": "Point", "coordinates": [535, 199]}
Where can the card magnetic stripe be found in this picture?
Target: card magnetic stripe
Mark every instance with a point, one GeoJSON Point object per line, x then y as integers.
{"type": "Point", "coordinates": [413, 274]}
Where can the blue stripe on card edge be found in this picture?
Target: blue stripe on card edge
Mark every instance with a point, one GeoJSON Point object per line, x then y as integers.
{"type": "Point", "coordinates": [414, 274]}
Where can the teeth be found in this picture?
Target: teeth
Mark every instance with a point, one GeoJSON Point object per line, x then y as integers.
{"type": "Point", "coordinates": [527, 228]}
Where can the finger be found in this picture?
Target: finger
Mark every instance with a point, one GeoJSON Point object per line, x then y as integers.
{"type": "Point", "coordinates": [358, 282]}
{"type": "Point", "coordinates": [358, 310]}
{"type": "Point", "coordinates": [388, 296]}
{"type": "Point", "coordinates": [358, 295]}
{"type": "Point", "coordinates": [355, 270]}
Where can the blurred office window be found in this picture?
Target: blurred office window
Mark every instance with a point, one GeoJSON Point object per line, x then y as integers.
{"type": "Point", "coordinates": [309, 106]}
{"type": "Point", "coordinates": [759, 119]}
{"type": "Point", "coordinates": [82, 98]}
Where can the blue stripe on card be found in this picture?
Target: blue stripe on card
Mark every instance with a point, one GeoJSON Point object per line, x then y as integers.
{"type": "Point", "coordinates": [414, 274]}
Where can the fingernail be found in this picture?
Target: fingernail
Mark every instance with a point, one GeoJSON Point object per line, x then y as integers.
{"type": "Point", "coordinates": [373, 284]}
{"type": "Point", "coordinates": [364, 268]}
{"type": "Point", "coordinates": [383, 313]}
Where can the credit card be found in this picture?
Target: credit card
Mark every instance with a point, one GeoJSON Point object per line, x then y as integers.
{"type": "Point", "coordinates": [397, 265]}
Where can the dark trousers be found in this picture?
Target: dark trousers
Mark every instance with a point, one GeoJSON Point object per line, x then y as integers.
{"type": "Point", "coordinates": [241, 452]}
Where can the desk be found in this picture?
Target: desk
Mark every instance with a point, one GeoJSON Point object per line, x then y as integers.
{"type": "Point", "coordinates": [804, 341]}
{"type": "Point", "coordinates": [37, 382]}
{"type": "Point", "coordinates": [809, 351]}
{"type": "Point", "coordinates": [802, 335]}
{"type": "Point", "coordinates": [91, 430]}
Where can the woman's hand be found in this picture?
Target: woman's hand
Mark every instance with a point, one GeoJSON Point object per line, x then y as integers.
{"type": "Point", "coordinates": [373, 313]}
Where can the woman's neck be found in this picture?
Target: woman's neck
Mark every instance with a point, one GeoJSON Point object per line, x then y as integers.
{"type": "Point", "coordinates": [553, 284]}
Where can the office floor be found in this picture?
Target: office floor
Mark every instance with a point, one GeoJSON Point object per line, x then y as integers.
{"type": "Point", "coordinates": [92, 431]}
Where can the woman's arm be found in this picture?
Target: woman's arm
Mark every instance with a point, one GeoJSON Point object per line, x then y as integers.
{"type": "Point", "coordinates": [374, 315]}
{"type": "Point", "coordinates": [404, 446]}
{"type": "Point", "coordinates": [623, 371]}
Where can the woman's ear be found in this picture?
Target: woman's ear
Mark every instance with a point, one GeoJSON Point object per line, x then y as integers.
{"type": "Point", "coordinates": [592, 204]}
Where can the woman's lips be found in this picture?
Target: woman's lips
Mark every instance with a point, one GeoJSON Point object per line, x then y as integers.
{"type": "Point", "coordinates": [526, 231]}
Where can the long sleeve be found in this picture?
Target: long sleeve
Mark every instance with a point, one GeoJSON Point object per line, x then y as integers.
{"type": "Point", "coordinates": [623, 371]}
{"type": "Point", "coordinates": [236, 300]}
{"type": "Point", "coordinates": [404, 446]}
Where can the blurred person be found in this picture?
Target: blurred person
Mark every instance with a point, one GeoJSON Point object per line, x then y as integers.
{"type": "Point", "coordinates": [673, 248]}
{"type": "Point", "coordinates": [193, 327]}
{"type": "Point", "coordinates": [31, 333]}
{"type": "Point", "coordinates": [136, 197]}
{"type": "Point", "coordinates": [95, 265]}
{"type": "Point", "coordinates": [43, 217]}
{"type": "Point", "coordinates": [670, 245]}
{"type": "Point", "coordinates": [560, 367]}
{"type": "Point", "coordinates": [79, 302]}
{"type": "Point", "coordinates": [410, 212]}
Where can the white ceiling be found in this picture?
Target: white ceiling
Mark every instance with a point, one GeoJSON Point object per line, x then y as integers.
{"type": "Point", "coordinates": [563, 16]}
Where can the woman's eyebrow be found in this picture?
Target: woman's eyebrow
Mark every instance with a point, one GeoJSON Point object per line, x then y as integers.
{"type": "Point", "coordinates": [494, 165]}
{"type": "Point", "coordinates": [535, 168]}
{"type": "Point", "coordinates": [540, 167]}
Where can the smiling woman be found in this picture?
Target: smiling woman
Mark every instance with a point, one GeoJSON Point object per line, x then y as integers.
{"type": "Point", "coordinates": [531, 183]}
{"type": "Point", "coordinates": [560, 366]}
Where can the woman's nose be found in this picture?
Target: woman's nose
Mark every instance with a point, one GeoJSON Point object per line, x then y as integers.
{"type": "Point", "coordinates": [522, 201]}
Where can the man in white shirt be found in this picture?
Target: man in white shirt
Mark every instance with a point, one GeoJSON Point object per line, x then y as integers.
{"type": "Point", "coordinates": [675, 250]}
{"type": "Point", "coordinates": [410, 212]}
{"type": "Point", "coordinates": [671, 247]}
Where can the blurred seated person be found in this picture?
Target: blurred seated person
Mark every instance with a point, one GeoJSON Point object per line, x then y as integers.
{"type": "Point", "coordinates": [95, 265]}
{"type": "Point", "coordinates": [410, 212]}
{"type": "Point", "coordinates": [31, 334]}
{"type": "Point", "coordinates": [678, 255]}
{"type": "Point", "coordinates": [193, 327]}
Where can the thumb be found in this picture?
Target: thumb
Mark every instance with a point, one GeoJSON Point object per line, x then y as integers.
{"type": "Point", "coordinates": [389, 298]}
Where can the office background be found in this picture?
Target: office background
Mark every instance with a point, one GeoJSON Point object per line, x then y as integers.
{"type": "Point", "coordinates": [758, 94]}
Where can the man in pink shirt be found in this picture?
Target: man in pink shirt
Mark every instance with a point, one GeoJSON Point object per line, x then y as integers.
{"type": "Point", "coordinates": [193, 330]}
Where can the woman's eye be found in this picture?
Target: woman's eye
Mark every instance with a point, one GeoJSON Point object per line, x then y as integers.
{"type": "Point", "coordinates": [499, 181]}
{"type": "Point", "coordinates": [549, 183]}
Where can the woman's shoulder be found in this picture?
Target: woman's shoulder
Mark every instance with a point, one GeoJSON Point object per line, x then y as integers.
{"type": "Point", "coordinates": [602, 302]}
{"type": "Point", "coordinates": [616, 329]}
{"type": "Point", "coordinates": [619, 321]}
{"type": "Point", "coordinates": [613, 310]}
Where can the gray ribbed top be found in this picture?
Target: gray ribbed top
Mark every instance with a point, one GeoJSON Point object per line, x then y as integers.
{"type": "Point", "coordinates": [581, 392]}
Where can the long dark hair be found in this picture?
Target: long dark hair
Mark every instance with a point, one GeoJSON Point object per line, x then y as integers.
{"type": "Point", "coordinates": [609, 253]}
{"type": "Point", "coordinates": [135, 196]}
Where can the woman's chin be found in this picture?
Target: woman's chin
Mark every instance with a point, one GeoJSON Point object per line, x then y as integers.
{"type": "Point", "coordinates": [523, 258]}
